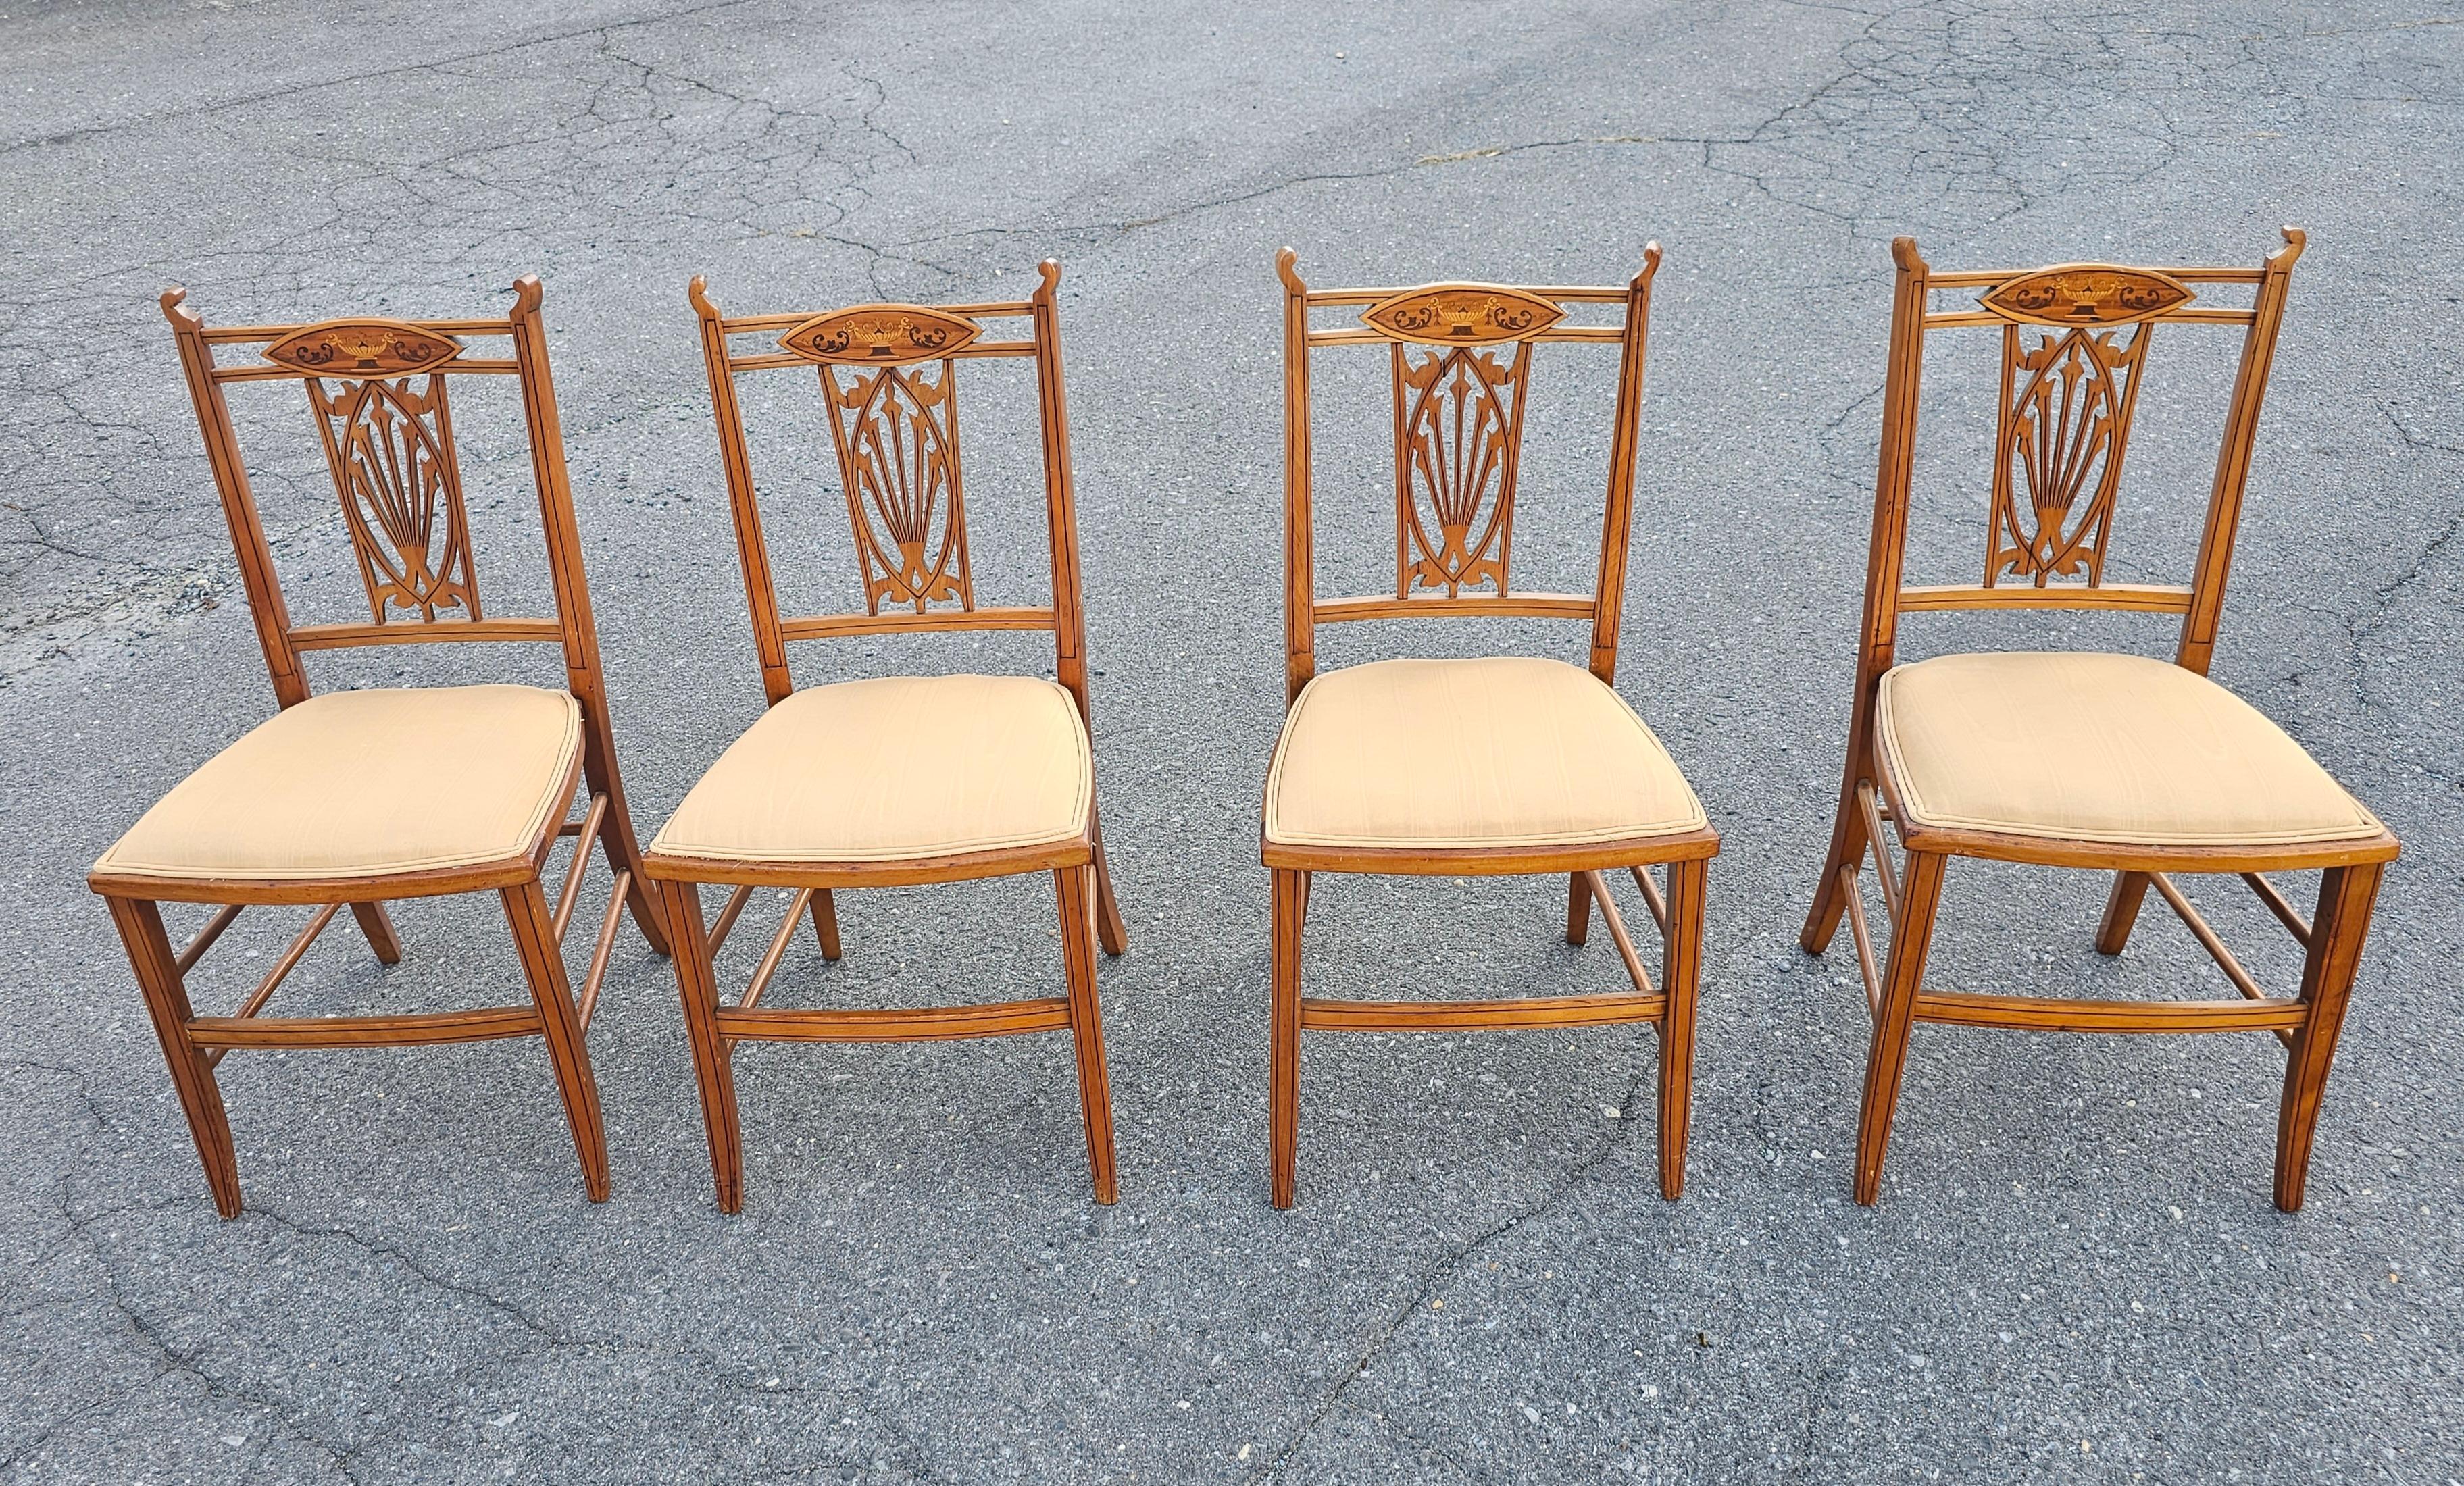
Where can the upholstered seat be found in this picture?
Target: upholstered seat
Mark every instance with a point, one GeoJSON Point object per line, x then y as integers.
{"type": "Point", "coordinates": [2118, 749]}
{"type": "Point", "coordinates": [365, 784]}
{"type": "Point", "coordinates": [894, 769]}
{"type": "Point", "coordinates": [1503, 752]}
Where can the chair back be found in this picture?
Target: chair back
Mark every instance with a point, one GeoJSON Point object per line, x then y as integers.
{"type": "Point", "coordinates": [889, 382]}
{"type": "Point", "coordinates": [1461, 358]}
{"type": "Point", "coordinates": [2075, 339]}
{"type": "Point", "coordinates": [377, 390]}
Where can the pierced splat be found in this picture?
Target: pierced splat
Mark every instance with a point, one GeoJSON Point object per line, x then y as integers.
{"type": "Point", "coordinates": [389, 444]}
{"type": "Point", "coordinates": [2065, 419]}
{"type": "Point", "coordinates": [897, 439]}
{"type": "Point", "coordinates": [1457, 439]}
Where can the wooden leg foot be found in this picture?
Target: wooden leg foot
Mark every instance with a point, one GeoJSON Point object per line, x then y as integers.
{"type": "Point", "coordinates": [2335, 934]}
{"type": "Point", "coordinates": [378, 927]}
{"type": "Point", "coordinates": [167, 1002]}
{"type": "Point", "coordinates": [1283, 1038]}
{"type": "Point", "coordinates": [1110, 928]}
{"type": "Point", "coordinates": [1887, 1059]}
{"type": "Point", "coordinates": [825, 923]}
{"type": "Point", "coordinates": [2121, 912]}
{"type": "Point", "coordinates": [1077, 892]}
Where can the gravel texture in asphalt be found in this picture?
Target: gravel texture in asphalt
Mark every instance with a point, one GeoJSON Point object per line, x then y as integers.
{"type": "Point", "coordinates": [2074, 1270]}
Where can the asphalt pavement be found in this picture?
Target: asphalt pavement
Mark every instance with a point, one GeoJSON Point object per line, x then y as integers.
{"type": "Point", "coordinates": [2075, 1272]}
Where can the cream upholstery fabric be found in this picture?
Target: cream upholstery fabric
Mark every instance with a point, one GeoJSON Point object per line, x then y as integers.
{"type": "Point", "coordinates": [361, 783]}
{"type": "Point", "coordinates": [1503, 752]}
{"type": "Point", "coordinates": [2104, 747]}
{"type": "Point", "coordinates": [906, 766]}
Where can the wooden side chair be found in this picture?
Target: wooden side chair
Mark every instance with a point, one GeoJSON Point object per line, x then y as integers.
{"type": "Point", "coordinates": [903, 779]}
{"type": "Point", "coordinates": [2121, 763]}
{"type": "Point", "coordinates": [357, 797]}
{"type": "Point", "coordinates": [1485, 767]}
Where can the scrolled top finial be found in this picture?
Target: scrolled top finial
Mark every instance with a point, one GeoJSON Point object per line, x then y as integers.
{"type": "Point", "coordinates": [1650, 266]}
{"type": "Point", "coordinates": [1288, 269]}
{"type": "Point", "coordinates": [175, 308]}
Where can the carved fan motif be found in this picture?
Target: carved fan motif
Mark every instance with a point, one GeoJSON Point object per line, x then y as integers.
{"type": "Point", "coordinates": [1459, 431]}
{"type": "Point", "coordinates": [897, 443]}
{"type": "Point", "coordinates": [2065, 419]}
{"type": "Point", "coordinates": [390, 449]}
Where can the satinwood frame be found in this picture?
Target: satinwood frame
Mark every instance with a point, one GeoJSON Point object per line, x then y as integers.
{"type": "Point", "coordinates": [391, 355]}
{"type": "Point", "coordinates": [1513, 319]}
{"type": "Point", "coordinates": [2308, 1023]}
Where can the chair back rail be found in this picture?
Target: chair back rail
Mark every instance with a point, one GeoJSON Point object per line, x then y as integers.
{"type": "Point", "coordinates": [888, 382]}
{"type": "Point", "coordinates": [1459, 357]}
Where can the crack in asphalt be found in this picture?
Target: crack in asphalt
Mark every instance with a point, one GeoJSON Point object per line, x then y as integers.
{"type": "Point", "coordinates": [322, 84]}
{"type": "Point", "coordinates": [1913, 78]}
{"type": "Point", "coordinates": [495, 1304]}
{"type": "Point", "coordinates": [1447, 1263]}
{"type": "Point", "coordinates": [908, 1457]}
{"type": "Point", "coordinates": [177, 1360]}
{"type": "Point", "coordinates": [1937, 84]}
{"type": "Point", "coordinates": [758, 168]}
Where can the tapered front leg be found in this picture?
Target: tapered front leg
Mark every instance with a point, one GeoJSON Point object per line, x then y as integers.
{"type": "Point", "coordinates": [2335, 934]}
{"type": "Point", "coordinates": [1681, 976]}
{"type": "Point", "coordinates": [713, 1055]}
{"type": "Point", "coordinates": [533, 926]}
{"type": "Point", "coordinates": [1888, 1056]}
{"type": "Point", "coordinates": [167, 1002]}
{"type": "Point", "coordinates": [1283, 1036]}
{"type": "Point", "coordinates": [1075, 888]}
